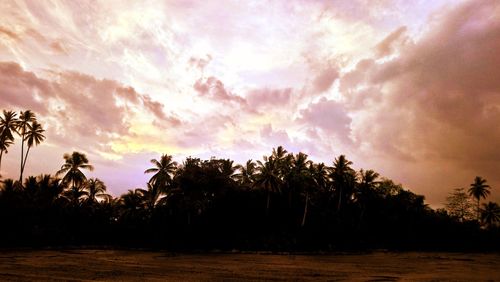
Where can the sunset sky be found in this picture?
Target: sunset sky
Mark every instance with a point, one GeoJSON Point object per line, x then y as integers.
{"type": "Point", "coordinates": [410, 89]}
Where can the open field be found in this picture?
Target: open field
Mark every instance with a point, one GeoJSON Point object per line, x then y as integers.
{"type": "Point", "coordinates": [81, 265]}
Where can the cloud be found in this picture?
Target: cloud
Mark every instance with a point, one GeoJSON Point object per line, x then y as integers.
{"type": "Point", "coordinates": [325, 79]}
{"type": "Point", "coordinates": [77, 106]}
{"type": "Point", "coordinates": [58, 47]}
{"type": "Point", "coordinates": [438, 103]}
{"type": "Point", "coordinates": [9, 33]}
{"type": "Point", "coordinates": [200, 63]}
{"type": "Point", "coordinates": [329, 116]}
{"type": "Point", "coordinates": [265, 96]}
{"type": "Point", "coordinates": [386, 46]}
{"type": "Point", "coordinates": [213, 88]}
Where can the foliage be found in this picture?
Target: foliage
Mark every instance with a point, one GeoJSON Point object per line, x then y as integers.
{"type": "Point", "coordinates": [459, 205]}
{"type": "Point", "coordinates": [283, 202]}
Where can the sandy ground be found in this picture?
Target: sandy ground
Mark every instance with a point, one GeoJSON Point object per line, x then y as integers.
{"type": "Point", "coordinates": [81, 265]}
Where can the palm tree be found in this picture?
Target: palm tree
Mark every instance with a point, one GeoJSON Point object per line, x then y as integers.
{"type": "Point", "coordinates": [227, 168]}
{"type": "Point", "coordinates": [96, 189]}
{"type": "Point", "coordinates": [71, 169]}
{"type": "Point", "coordinates": [479, 189]}
{"type": "Point", "coordinates": [151, 196]}
{"type": "Point", "coordinates": [75, 195]}
{"type": "Point", "coordinates": [163, 171]}
{"type": "Point", "coordinates": [298, 177]}
{"type": "Point", "coordinates": [341, 176]}
{"type": "Point", "coordinates": [317, 180]}
{"type": "Point", "coordinates": [25, 118]}
{"type": "Point", "coordinates": [8, 126]}
{"type": "Point", "coordinates": [268, 178]}
{"type": "Point", "coordinates": [365, 189]}
{"type": "Point", "coordinates": [34, 136]}
{"type": "Point", "coordinates": [132, 200]}
{"type": "Point", "coordinates": [246, 176]}
{"type": "Point", "coordinates": [279, 153]}
{"type": "Point", "coordinates": [49, 189]}
{"type": "Point", "coordinates": [490, 213]}
{"type": "Point", "coordinates": [4, 146]}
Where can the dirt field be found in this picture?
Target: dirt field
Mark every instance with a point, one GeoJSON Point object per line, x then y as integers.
{"type": "Point", "coordinates": [80, 265]}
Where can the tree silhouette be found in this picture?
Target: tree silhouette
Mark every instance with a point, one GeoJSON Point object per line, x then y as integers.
{"type": "Point", "coordinates": [246, 176]}
{"type": "Point", "coordinates": [25, 119]}
{"type": "Point", "coordinates": [96, 189]}
{"type": "Point", "coordinates": [490, 214]}
{"type": "Point", "coordinates": [479, 189]}
{"type": "Point", "coordinates": [459, 205]}
{"type": "Point", "coordinates": [8, 126]}
{"type": "Point", "coordinates": [366, 189]}
{"type": "Point", "coordinates": [268, 178]}
{"type": "Point", "coordinates": [163, 172]}
{"type": "Point", "coordinates": [33, 137]}
{"type": "Point", "coordinates": [72, 170]}
{"type": "Point", "coordinates": [343, 178]}
{"type": "Point", "coordinates": [4, 146]}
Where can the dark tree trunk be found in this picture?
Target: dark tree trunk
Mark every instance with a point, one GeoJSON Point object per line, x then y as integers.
{"type": "Point", "coordinates": [268, 201]}
{"type": "Point", "coordinates": [22, 157]}
{"type": "Point", "coordinates": [305, 210]}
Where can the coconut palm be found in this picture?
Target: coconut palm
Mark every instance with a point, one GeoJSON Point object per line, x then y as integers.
{"type": "Point", "coordinates": [317, 178]}
{"type": "Point", "coordinates": [96, 189]}
{"type": "Point", "coordinates": [246, 176]}
{"type": "Point", "coordinates": [4, 146]}
{"type": "Point", "coordinates": [163, 171]}
{"type": "Point", "coordinates": [342, 177]}
{"type": "Point", "coordinates": [479, 189]}
{"type": "Point", "coordinates": [279, 153]}
{"type": "Point", "coordinates": [227, 168]}
{"type": "Point", "coordinates": [49, 189]}
{"type": "Point", "coordinates": [75, 195]}
{"type": "Point", "coordinates": [298, 178]}
{"type": "Point", "coordinates": [33, 137]}
{"type": "Point", "coordinates": [268, 178]}
{"type": "Point", "coordinates": [133, 200]}
{"type": "Point", "coordinates": [8, 126]}
{"type": "Point", "coordinates": [25, 119]}
{"type": "Point", "coordinates": [490, 213]}
{"type": "Point", "coordinates": [368, 181]}
{"type": "Point", "coordinates": [72, 169]}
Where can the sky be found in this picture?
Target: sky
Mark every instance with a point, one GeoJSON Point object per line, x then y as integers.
{"type": "Point", "coordinates": [410, 89]}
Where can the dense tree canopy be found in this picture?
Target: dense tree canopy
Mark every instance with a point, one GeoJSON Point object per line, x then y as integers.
{"type": "Point", "coordinates": [284, 201]}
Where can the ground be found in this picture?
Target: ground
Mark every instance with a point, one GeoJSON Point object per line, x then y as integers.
{"type": "Point", "coordinates": [80, 265]}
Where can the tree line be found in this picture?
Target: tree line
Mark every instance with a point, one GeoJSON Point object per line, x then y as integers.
{"type": "Point", "coordinates": [282, 202]}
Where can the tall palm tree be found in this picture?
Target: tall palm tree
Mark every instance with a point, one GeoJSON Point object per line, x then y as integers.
{"type": "Point", "coordinates": [297, 176]}
{"type": "Point", "coordinates": [317, 178]}
{"type": "Point", "coordinates": [96, 189]}
{"type": "Point", "coordinates": [365, 189]}
{"type": "Point", "coordinates": [33, 137]}
{"type": "Point", "coordinates": [8, 126]}
{"type": "Point", "coordinates": [72, 169]}
{"type": "Point", "coordinates": [163, 170]}
{"type": "Point", "coordinates": [342, 175]}
{"type": "Point", "coordinates": [479, 189]}
{"type": "Point", "coordinates": [490, 213]}
{"type": "Point", "coordinates": [268, 178]}
{"type": "Point", "coordinates": [25, 119]}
